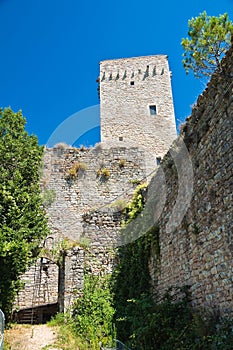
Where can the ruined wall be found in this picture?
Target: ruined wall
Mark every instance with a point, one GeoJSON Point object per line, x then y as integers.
{"type": "Point", "coordinates": [198, 252]}
{"type": "Point", "coordinates": [41, 282]}
{"type": "Point", "coordinates": [128, 87]}
{"type": "Point", "coordinates": [196, 249]}
{"type": "Point", "coordinates": [82, 203]}
{"type": "Point", "coordinates": [106, 173]}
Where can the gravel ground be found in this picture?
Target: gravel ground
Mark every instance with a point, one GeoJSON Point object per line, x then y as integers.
{"type": "Point", "coordinates": [25, 337]}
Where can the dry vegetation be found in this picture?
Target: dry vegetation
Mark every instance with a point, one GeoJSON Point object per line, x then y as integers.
{"type": "Point", "coordinates": [27, 337]}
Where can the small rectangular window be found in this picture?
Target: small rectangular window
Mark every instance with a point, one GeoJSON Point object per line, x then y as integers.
{"type": "Point", "coordinates": [158, 160]}
{"type": "Point", "coordinates": [153, 110]}
{"type": "Point", "coordinates": [121, 138]}
{"type": "Point", "coordinates": [132, 83]}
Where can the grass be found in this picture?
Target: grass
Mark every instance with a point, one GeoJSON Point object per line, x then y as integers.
{"type": "Point", "coordinates": [66, 340]}
{"type": "Point", "coordinates": [24, 337]}
{"type": "Point", "coordinates": [66, 337]}
{"type": "Point", "coordinates": [18, 337]}
{"type": "Point", "coordinates": [15, 338]}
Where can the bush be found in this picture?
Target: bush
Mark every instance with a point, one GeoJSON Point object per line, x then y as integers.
{"type": "Point", "coordinates": [93, 312]}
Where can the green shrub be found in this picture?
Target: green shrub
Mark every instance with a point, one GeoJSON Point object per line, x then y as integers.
{"type": "Point", "coordinates": [136, 205]}
{"type": "Point", "coordinates": [58, 320]}
{"type": "Point", "coordinates": [93, 312]}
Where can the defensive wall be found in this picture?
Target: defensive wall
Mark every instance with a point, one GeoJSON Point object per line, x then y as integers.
{"type": "Point", "coordinates": [78, 183]}
{"type": "Point", "coordinates": [196, 250]}
{"type": "Point", "coordinates": [199, 251]}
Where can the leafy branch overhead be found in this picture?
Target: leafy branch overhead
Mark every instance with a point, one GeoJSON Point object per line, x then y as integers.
{"type": "Point", "coordinates": [208, 40]}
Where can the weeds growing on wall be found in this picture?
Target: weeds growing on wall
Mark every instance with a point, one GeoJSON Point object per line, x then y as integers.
{"type": "Point", "coordinates": [103, 173]}
{"type": "Point", "coordinates": [131, 285]}
{"type": "Point", "coordinates": [122, 163]}
{"type": "Point", "coordinates": [75, 169]}
{"type": "Point", "coordinates": [136, 205]}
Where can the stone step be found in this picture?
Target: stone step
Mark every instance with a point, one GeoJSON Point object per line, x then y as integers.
{"type": "Point", "coordinates": [37, 315]}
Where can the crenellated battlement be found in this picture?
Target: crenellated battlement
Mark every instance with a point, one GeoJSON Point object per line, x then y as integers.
{"type": "Point", "coordinates": [138, 68]}
{"type": "Point", "coordinates": [136, 102]}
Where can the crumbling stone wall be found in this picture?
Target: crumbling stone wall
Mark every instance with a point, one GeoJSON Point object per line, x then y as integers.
{"type": "Point", "coordinates": [83, 211]}
{"type": "Point", "coordinates": [106, 173]}
{"type": "Point", "coordinates": [41, 282]}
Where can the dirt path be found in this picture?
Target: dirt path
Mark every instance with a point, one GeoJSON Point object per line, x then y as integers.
{"type": "Point", "coordinates": [25, 337]}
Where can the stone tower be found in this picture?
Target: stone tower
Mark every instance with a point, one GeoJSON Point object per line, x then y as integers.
{"type": "Point", "coordinates": [136, 104]}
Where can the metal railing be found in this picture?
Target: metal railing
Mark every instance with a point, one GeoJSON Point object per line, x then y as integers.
{"type": "Point", "coordinates": [120, 345]}
{"type": "Point", "coordinates": [117, 346]}
{"type": "Point", "coordinates": [2, 327]}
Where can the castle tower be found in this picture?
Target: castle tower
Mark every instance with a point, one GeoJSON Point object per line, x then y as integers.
{"type": "Point", "coordinates": [136, 104]}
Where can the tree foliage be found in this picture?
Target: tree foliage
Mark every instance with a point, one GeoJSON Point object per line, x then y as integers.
{"type": "Point", "coordinates": [22, 219]}
{"type": "Point", "coordinates": [209, 38]}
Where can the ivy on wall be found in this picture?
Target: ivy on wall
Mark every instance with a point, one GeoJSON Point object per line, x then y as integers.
{"type": "Point", "coordinates": [131, 283]}
{"type": "Point", "coordinates": [123, 306]}
{"type": "Point", "coordinates": [131, 278]}
{"type": "Point", "coordinates": [144, 322]}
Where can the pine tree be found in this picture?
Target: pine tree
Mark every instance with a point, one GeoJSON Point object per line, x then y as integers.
{"type": "Point", "coordinates": [209, 38]}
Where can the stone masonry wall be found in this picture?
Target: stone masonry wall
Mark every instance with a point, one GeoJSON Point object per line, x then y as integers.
{"type": "Point", "coordinates": [41, 285]}
{"type": "Point", "coordinates": [127, 88]}
{"type": "Point", "coordinates": [82, 213]}
{"type": "Point", "coordinates": [90, 189]}
{"type": "Point", "coordinates": [199, 251]}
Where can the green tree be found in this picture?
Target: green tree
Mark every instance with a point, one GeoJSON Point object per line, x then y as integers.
{"type": "Point", "coordinates": [209, 38]}
{"type": "Point", "coordinates": [22, 219]}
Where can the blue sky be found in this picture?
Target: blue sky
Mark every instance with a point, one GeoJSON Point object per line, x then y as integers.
{"type": "Point", "coordinates": [50, 52]}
